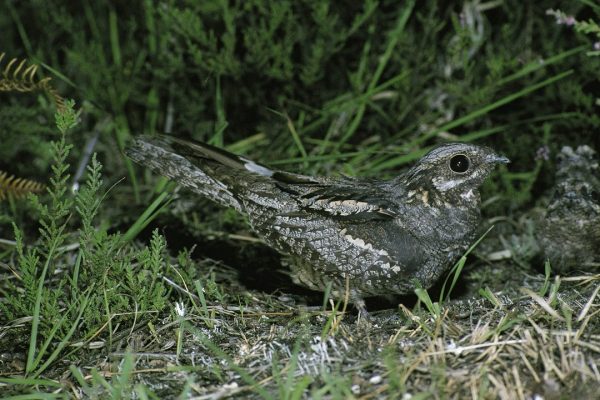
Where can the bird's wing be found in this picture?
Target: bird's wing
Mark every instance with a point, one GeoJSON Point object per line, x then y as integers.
{"type": "Point", "coordinates": [343, 198]}
{"type": "Point", "coordinates": [396, 244]}
{"type": "Point", "coordinates": [222, 176]}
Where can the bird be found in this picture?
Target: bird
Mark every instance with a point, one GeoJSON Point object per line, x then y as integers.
{"type": "Point", "coordinates": [356, 237]}
{"type": "Point", "coordinates": [569, 233]}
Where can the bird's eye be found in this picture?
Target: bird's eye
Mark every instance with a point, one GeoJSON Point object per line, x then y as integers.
{"type": "Point", "coordinates": [459, 163]}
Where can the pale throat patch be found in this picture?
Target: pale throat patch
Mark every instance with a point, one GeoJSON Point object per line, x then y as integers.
{"type": "Point", "coordinates": [444, 185]}
{"type": "Point", "coordinates": [469, 195]}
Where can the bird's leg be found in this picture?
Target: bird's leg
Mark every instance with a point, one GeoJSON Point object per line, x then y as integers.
{"type": "Point", "coordinates": [351, 295]}
{"type": "Point", "coordinates": [362, 309]}
{"type": "Point", "coordinates": [363, 315]}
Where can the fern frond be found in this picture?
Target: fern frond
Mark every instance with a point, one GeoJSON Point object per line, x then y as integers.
{"type": "Point", "coordinates": [20, 77]}
{"type": "Point", "coordinates": [59, 101]}
{"type": "Point", "coordinates": [17, 187]}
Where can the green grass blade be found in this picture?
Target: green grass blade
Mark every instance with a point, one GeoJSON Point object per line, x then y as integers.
{"type": "Point", "coordinates": [457, 268]}
{"type": "Point", "coordinates": [536, 65]}
{"type": "Point", "coordinates": [65, 340]}
{"type": "Point", "coordinates": [35, 322]}
{"type": "Point", "coordinates": [297, 140]}
{"type": "Point", "coordinates": [147, 216]}
{"type": "Point", "coordinates": [498, 103]}
{"type": "Point", "coordinates": [393, 39]}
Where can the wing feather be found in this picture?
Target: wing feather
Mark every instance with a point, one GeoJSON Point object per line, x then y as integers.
{"type": "Point", "coordinates": [342, 198]}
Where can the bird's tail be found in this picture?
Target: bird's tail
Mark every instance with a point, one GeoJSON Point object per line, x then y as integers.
{"type": "Point", "coordinates": [205, 169]}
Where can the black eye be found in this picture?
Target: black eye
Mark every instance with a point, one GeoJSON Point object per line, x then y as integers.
{"type": "Point", "coordinates": [459, 163]}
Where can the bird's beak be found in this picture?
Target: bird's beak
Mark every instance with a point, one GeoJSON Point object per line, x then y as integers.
{"type": "Point", "coordinates": [497, 159]}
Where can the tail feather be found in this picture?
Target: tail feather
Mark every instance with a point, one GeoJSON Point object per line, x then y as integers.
{"type": "Point", "coordinates": [194, 165]}
{"type": "Point", "coordinates": [215, 154]}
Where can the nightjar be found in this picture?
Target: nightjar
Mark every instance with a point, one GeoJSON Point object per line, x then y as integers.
{"type": "Point", "coordinates": [372, 237]}
{"type": "Point", "coordinates": [569, 234]}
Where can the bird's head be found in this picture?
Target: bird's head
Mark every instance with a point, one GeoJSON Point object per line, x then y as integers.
{"type": "Point", "coordinates": [454, 168]}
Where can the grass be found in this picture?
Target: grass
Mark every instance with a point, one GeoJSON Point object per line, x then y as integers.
{"type": "Point", "coordinates": [500, 343]}
{"type": "Point", "coordinates": [511, 350]}
{"type": "Point", "coordinates": [98, 297]}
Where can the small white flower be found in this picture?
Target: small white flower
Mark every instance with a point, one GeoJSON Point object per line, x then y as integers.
{"type": "Point", "coordinates": [569, 20]}
{"type": "Point", "coordinates": [453, 348]}
{"type": "Point", "coordinates": [180, 309]}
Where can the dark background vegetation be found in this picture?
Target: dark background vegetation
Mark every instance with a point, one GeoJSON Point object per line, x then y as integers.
{"type": "Point", "coordinates": [317, 87]}
{"type": "Point", "coordinates": [229, 70]}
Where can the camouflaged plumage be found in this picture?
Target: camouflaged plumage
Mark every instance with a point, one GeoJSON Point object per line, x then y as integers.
{"type": "Point", "coordinates": [374, 237]}
{"type": "Point", "coordinates": [569, 234]}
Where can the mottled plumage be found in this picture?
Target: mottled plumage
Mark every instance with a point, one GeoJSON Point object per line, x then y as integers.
{"type": "Point", "coordinates": [569, 234]}
{"type": "Point", "coordinates": [378, 237]}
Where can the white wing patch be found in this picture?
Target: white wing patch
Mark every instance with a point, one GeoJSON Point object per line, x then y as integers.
{"type": "Point", "coordinates": [257, 169]}
{"type": "Point", "coordinates": [346, 207]}
{"type": "Point", "coordinates": [358, 242]}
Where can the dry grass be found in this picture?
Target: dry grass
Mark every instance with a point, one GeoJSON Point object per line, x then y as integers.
{"type": "Point", "coordinates": [527, 347]}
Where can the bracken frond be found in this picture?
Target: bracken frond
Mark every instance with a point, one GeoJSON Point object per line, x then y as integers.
{"type": "Point", "coordinates": [20, 77]}
{"type": "Point", "coordinates": [17, 187]}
